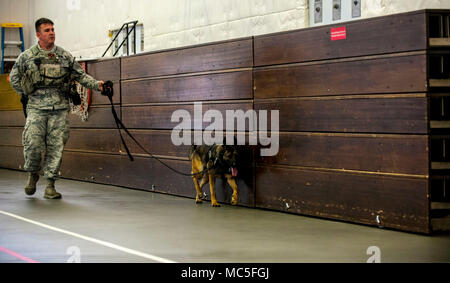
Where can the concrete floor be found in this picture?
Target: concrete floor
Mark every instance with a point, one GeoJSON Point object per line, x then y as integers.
{"type": "Point", "coordinates": [99, 223]}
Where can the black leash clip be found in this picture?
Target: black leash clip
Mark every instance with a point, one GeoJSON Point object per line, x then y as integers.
{"type": "Point", "coordinates": [108, 89]}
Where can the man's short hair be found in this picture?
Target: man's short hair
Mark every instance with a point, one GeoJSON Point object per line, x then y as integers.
{"type": "Point", "coordinates": [41, 21]}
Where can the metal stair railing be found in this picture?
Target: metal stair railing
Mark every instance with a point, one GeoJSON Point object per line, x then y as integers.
{"type": "Point", "coordinates": [129, 30]}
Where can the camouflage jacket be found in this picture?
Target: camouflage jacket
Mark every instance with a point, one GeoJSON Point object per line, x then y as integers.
{"type": "Point", "coordinates": [43, 76]}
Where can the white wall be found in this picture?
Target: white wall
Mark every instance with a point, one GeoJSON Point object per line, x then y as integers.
{"type": "Point", "coordinates": [374, 8]}
{"type": "Point", "coordinates": [168, 23]}
{"type": "Point", "coordinates": [82, 25]}
{"type": "Point", "coordinates": [16, 11]}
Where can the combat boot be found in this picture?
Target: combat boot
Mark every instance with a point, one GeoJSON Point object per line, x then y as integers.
{"type": "Point", "coordinates": [30, 188]}
{"type": "Point", "coordinates": [50, 192]}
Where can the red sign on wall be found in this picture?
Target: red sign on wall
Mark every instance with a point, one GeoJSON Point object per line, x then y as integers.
{"type": "Point", "coordinates": [338, 33]}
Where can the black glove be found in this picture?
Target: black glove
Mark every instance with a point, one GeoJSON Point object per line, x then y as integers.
{"type": "Point", "coordinates": [108, 89]}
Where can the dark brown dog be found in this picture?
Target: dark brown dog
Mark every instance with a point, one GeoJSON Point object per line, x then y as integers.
{"type": "Point", "coordinates": [212, 162]}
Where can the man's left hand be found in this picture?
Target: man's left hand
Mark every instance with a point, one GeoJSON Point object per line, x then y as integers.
{"type": "Point", "coordinates": [101, 85]}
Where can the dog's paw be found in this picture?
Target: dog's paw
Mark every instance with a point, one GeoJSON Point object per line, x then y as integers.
{"type": "Point", "coordinates": [215, 204]}
{"type": "Point", "coordinates": [198, 201]}
{"type": "Point", "coordinates": [234, 202]}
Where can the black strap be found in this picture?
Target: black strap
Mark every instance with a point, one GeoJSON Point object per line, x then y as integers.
{"type": "Point", "coordinates": [119, 122]}
{"type": "Point", "coordinates": [24, 101]}
{"type": "Point", "coordinates": [109, 92]}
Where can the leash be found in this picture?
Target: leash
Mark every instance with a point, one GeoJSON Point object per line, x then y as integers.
{"type": "Point", "coordinates": [109, 92]}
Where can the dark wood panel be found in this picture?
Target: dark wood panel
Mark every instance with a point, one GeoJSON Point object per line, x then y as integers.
{"type": "Point", "coordinates": [218, 56]}
{"type": "Point", "coordinates": [388, 34]}
{"type": "Point", "coordinates": [159, 117]}
{"type": "Point", "coordinates": [399, 203]}
{"type": "Point", "coordinates": [386, 75]}
{"type": "Point", "coordinates": [99, 117]}
{"type": "Point", "coordinates": [12, 118]}
{"type": "Point", "coordinates": [11, 136]}
{"type": "Point", "coordinates": [11, 157]}
{"type": "Point", "coordinates": [106, 140]}
{"type": "Point", "coordinates": [104, 70]}
{"type": "Point", "coordinates": [145, 173]}
{"type": "Point", "coordinates": [98, 168]}
{"type": "Point", "coordinates": [159, 142]}
{"type": "Point", "coordinates": [357, 115]}
{"type": "Point", "coordinates": [234, 85]}
{"type": "Point", "coordinates": [99, 99]}
{"type": "Point", "coordinates": [403, 154]}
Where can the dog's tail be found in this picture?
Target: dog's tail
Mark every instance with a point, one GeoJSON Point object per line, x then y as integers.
{"type": "Point", "coordinates": [192, 151]}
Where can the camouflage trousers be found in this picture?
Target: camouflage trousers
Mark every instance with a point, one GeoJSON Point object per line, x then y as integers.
{"type": "Point", "coordinates": [45, 131]}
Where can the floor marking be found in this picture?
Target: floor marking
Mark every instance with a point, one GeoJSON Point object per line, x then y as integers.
{"type": "Point", "coordinates": [90, 239]}
{"type": "Point", "coordinates": [17, 255]}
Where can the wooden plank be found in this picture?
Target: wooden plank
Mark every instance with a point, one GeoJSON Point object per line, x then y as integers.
{"type": "Point", "coordinates": [12, 118]}
{"type": "Point", "coordinates": [439, 82]}
{"type": "Point", "coordinates": [399, 154]}
{"type": "Point", "coordinates": [216, 56]}
{"type": "Point", "coordinates": [386, 75]}
{"type": "Point", "coordinates": [439, 42]}
{"type": "Point", "coordinates": [159, 117]}
{"type": "Point", "coordinates": [233, 85]}
{"type": "Point", "coordinates": [104, 70]}
{"type": "Point", "coordinates": [364, 115]}
{"type": "Point", "coordinates": [102, 140]}
{"type": "Point", "coordinates": [441, 224]}
{"type": "Point", "coordinates": [388, 34]}
{"type": "Point", "coordinates": [12, 157]}
{"type": "Point", "coordinates": [80, 139]}
{"type": "Point", "coordinates": [440, 165]}
{"type": "Point", "coordinates": [399, 203]}
{"type": "Point", "coordinates": [159, 143]}
{"type": "Point", "coordinates": [440, 205]}
{"type": "Point", "coordinates": [11, 136]}
{"type": "Point", "coordinates": [145, 173]}
{"type": "Point", "coordinates": [439, 124]}
{"type": "Point", "coordinates": [99, 117]}
{"type": "Point", "coordinates": [98, 168]}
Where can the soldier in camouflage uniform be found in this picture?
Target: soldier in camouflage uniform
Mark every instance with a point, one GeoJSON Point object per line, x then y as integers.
{"type": "Point", "coordinates": [41, 76]}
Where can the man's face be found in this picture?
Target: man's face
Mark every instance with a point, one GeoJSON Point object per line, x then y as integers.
{"type": "Point", "coordinates": [46, 35]}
